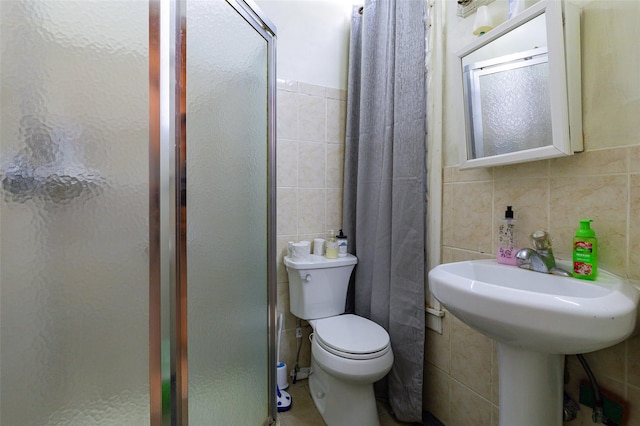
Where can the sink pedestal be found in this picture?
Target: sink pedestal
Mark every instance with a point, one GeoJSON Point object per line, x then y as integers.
{"type": "Point", "coordinates": [531, 387]}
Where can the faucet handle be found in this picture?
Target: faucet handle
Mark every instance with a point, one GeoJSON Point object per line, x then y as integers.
{"type": "Point", "coordinates": [541, 240]}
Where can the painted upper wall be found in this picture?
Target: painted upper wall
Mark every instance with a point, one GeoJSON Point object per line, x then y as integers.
{"type": "Point", "coordinates": [610, 69]}
{"type": "Point", "coordinates": [312, 39]}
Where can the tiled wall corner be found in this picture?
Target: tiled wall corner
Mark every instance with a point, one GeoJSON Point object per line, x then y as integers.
{"type": "Point", "coordinates": [310, 154]}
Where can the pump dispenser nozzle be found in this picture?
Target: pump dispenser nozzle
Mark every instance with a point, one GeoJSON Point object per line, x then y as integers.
{"type": "Point", "coordinates": [508, 214]}
{"type": "Point", "coordinates": [585, 229]}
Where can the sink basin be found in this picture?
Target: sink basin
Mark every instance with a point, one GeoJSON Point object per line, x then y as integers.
{"type": "Point", "coordinates": [536, 311]}
{"type": "Point", "coordinates": [536, 319]}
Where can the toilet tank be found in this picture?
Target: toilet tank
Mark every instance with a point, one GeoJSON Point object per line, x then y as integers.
{"type": "Point", "coordinates": [318, 286]}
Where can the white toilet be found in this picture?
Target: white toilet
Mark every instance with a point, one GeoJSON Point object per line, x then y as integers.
{"type": "Point", "coordinates": [348, 353]}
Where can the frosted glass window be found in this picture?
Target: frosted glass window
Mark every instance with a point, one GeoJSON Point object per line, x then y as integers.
{"type": "Point", "coordinates": [74, 266]}
{"type": "Point", "coordinates": [510, 104]}
{"type": "Point", "coordinates": [516, 109]}
{"type": "Point", "coordinates": [226, 209]}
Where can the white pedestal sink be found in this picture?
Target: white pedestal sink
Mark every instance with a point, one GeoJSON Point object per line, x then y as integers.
{"type": "Point", "coordinates": [536, 319]}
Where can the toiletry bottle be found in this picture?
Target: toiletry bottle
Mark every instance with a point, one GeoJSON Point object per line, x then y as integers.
{"type": "Point", "coordinates": [342, 244]}
{"type": "Point", "coordinates": [506, 250]}
{"type": "Point", "coordinates": [332, 246]}
{"type": "Point", "coordinates": [585, 252]}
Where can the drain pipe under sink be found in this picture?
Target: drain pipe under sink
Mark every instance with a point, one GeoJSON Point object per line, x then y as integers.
{"type": "Point", "coordinates": [598, 414]}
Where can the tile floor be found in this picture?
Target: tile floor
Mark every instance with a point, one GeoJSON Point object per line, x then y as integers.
{"type": "Point", "coordinates": [304, 413]}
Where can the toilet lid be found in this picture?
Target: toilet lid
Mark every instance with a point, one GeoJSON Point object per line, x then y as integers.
{"type": "Point", "coordinates": [351, 336]}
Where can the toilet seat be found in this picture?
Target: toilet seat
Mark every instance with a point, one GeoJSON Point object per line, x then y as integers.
{"type": "Point", "coordinates": [352, 337]}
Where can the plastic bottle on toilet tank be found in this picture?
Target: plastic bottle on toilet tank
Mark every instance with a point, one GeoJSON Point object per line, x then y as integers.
{"type": "Point", "coordinates": [332, 246]}
{"type": "Point", "coordinates": [342, 244]}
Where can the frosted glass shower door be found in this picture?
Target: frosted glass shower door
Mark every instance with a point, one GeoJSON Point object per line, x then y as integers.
{"type": "Point", "coordinates": [74, 266]}
{"type": "Point", "coordinates": [226, 216]}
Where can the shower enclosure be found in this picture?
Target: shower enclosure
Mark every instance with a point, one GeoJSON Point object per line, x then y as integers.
{"type": "Point", "coordinates": [137, 213]}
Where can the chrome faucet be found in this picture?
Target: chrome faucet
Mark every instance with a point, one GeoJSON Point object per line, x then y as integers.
{"type": "Point", "coordinates": [540, 258]}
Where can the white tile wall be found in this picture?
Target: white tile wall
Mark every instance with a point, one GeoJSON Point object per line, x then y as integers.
{"type": "Point", "coordinates": [310, 155]}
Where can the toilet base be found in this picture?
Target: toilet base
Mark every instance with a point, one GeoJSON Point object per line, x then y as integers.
{"type": "Point", "coordinates": [342, 403]}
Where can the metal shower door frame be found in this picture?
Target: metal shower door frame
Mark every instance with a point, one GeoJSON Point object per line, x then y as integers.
{"type": "Point", "coordinates": [167, 206]}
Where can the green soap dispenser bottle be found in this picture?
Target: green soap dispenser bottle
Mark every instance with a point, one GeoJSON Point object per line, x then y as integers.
{"type": "Point", "coordinates": [585, 252]}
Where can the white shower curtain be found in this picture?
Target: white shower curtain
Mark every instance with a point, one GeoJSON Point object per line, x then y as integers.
{"type": "Point", "coordinates": [384, 188]}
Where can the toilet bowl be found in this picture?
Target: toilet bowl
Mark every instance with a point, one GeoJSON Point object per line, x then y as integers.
{"type": "Point", "coordinates": [348, 352]}
{"type": "Point", "coordinates": [351, 348]}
